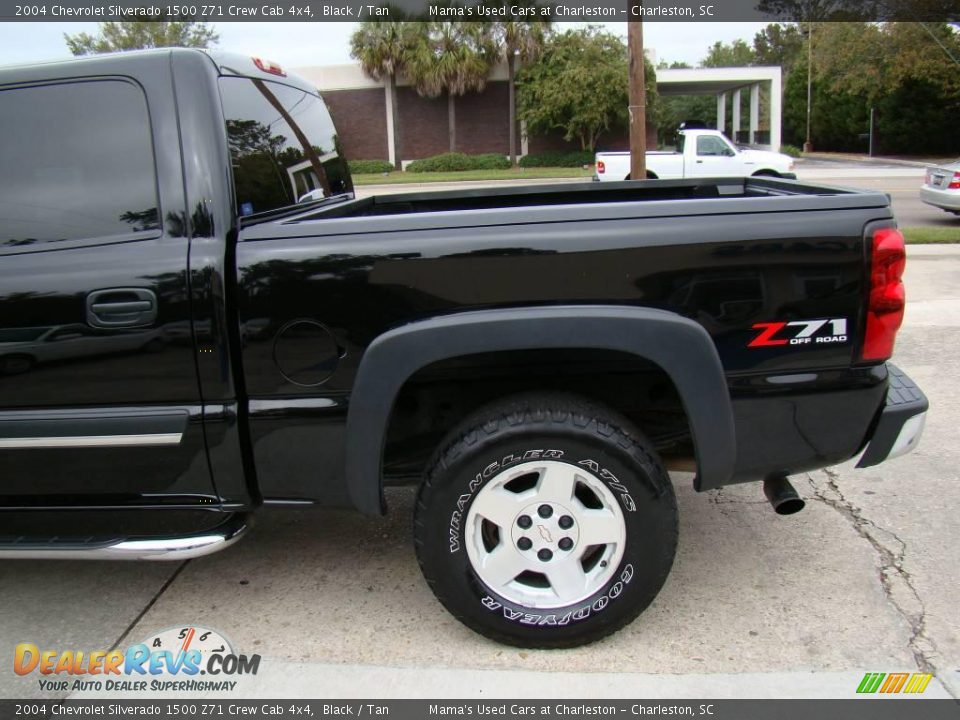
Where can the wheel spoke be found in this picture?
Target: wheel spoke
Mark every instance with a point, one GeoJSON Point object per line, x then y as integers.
{"type": "Point", "coordinates": [499, 506]}
{"type": "Point", "coordinates": [557, 483]}
{"type": "Point", "coordinates": [567, 578]}
{"type": "Point", "coordinates": [502, 565]}
{"type": "Point", "coordinates": [598, 527]}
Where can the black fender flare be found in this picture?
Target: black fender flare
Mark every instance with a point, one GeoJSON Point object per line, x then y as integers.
{"type": "Point", "coordinates": [681, 347]}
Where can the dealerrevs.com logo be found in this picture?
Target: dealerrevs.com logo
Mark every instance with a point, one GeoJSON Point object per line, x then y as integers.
{"type": "Point", "coordinates": [171, 660]}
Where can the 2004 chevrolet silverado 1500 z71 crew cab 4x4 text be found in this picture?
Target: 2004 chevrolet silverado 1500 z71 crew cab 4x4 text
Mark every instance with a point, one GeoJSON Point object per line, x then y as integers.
{"type": "Point", "coordinates": [535, 359]}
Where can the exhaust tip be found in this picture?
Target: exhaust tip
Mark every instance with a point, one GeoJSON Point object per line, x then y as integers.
{"type": "Point", "coordinates": [782, 496]}
{"type": "Point", "coordinates": [789, 507]}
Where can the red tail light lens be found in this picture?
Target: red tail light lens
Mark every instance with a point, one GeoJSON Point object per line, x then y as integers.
{"type": "Point", "coordinates": [269, 67]}
{"type": "Point", "coordinates": [601, 168]}
{"type": "Point", "coordinates": [887, 298]}
{"type": "Point", "coordinates": [955, 183]}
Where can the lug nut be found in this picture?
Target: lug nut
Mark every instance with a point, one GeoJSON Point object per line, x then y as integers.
{"type": "Point", "coordinates": [566, 522]}
{"type": "Point", "coordinates": [565, 543]}
{"type": "Point", "coordinates": [545, 555]}
{"type": "Point", "coordinates": [544, 511]}
{"type": "Point", "coordinates": [524, 521]}
{"type": "Point", "coordinates": [524, 543]}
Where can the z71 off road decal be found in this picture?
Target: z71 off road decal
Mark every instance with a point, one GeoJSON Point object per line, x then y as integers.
{"type": "Point", "coordinates": [800, 332]}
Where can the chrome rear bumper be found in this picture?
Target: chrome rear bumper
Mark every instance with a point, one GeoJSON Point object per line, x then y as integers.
{"type": "Point", "coordinates": [901, 421]}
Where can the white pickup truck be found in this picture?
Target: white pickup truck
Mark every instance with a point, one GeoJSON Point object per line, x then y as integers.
{"type": "Point", "coordinates": [700, 153]}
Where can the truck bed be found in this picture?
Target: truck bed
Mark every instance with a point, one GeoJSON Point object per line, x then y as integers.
{"type": "Point", "coordinates": [724, 253]}
{"type": "Point", "coordinates": [588, 200]}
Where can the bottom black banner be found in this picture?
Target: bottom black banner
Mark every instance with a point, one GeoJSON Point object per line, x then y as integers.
{"type": "Point", "coordinates": [868, 709]}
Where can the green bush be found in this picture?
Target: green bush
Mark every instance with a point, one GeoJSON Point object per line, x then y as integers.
{"type": "Point", "coordinates": [791, 150]}
{"type": "Point", "coordinates": [557, 158]}
{"type": "Point", "coordinates": [361, 167]}
{"type": "Point", "coordinates": [457, 162]}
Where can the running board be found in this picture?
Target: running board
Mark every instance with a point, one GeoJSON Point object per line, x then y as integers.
{"type": "Point", "coordinates": [181, 547]}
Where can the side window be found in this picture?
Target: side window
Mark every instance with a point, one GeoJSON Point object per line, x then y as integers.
{"type": "Point", "coordinates": [77, 163]}
{"type": "Point", "coordinates": [282, 145]}
{"type": "Point", "coordinates": [711, 146]}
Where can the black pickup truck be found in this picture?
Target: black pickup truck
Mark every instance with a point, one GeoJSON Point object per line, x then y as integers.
{"type": "Point", "coordinates": [184, 342]}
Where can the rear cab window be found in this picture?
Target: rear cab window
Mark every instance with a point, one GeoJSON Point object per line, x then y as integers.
{"type": "Point", "coordinates": [283, 145]}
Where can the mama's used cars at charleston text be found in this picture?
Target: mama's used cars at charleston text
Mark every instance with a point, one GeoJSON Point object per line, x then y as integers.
{"type": "Point", "coordinates": [534, 358]}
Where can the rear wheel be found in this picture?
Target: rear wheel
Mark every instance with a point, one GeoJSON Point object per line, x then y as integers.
{"type": "Point", "coordinates": [766, 173]}
{"type": "Point", "coordinates": [546, 521]}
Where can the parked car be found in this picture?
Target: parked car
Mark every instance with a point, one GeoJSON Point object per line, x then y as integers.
{"type": "Point", "coordinates": [533, 359]}
{"type": "Point", "coordinates": [700, 153]}
{"type": "Point", "coordinates": [941, 187]}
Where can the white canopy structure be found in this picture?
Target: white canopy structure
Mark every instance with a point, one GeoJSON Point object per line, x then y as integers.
{"type": "Point", "coordinates": [732, 81]}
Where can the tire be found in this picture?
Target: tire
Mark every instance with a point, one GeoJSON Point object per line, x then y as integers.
{"type": "Point", "coordinates": [766, 173]}
{"type": "Point", "coordinates": [585, 463]}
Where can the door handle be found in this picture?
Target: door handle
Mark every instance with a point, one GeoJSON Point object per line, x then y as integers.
{"type": "Point", "coordinates": [121, 308]}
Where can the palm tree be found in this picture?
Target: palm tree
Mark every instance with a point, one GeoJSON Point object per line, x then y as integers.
{"type": "Point", "coordinates": [382, 49]}
{"type": "Point", "coordinates": [521, 41]}
{"type": "Point", "coordinates": [452, 58]}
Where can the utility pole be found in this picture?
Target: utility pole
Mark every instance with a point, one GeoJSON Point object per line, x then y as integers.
{"type": "Point", "coordinates": [808, 145]}
{"type": "Point", "coordinates": [638, 97]}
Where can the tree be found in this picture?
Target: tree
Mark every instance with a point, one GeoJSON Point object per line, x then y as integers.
{"type": "Point", "coordinates": [115, 36]}
{"type": "Point", "coordinates": [579, 86]}
{"type": "Point", "coordinates": [383, 49]}
{"type": "Point", "coordinates": [736, 54]}
{"type": "Point", "coordinates": [523, 42]}
{"type": "Point", "coordinates": [905, 71]}
{"type": "Point", "coordinates": [451, 58]}
{"type": "Point", "coordinates": [778, 44]}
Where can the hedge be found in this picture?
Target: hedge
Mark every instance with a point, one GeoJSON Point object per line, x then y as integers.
{"type": "Point", "coordinates": [791, 150]}
{"type": "Point", "coordinates": [557, 158]}
{"type": "Point", "coordinates": [455, 162]}
{"type": "Point", "coordinates": [361, 167]}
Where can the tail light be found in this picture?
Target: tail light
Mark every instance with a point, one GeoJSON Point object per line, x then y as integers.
{"type": "Point", "coordinates": [268, 66]}
{"type": "Point", "coordinates": [955, 183]}
{"type": "Point", "coordinates": [885, 308]}
{"type": "Point", "coordinates": [601, 168]}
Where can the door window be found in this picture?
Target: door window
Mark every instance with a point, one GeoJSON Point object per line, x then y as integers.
{"type": "Point", "coordinates": [712, 146]}
{"type": "Point", "coordinates": [282, 145]}
{"type": "Point", "coordinates": [77, 164]}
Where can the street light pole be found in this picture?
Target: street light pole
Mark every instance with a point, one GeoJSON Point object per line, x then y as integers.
{"type": "Point", "coordinates": [638, 100]}
{"type": "Point", "coordinates": [808, 145]}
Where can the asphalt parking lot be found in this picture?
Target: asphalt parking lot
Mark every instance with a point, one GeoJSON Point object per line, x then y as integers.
{"type": "Point", "coordinates": [866, 578]}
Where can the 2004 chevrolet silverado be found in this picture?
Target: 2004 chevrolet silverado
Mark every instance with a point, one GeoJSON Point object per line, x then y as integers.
{"type": "Point", "coordinates": [182, 343]}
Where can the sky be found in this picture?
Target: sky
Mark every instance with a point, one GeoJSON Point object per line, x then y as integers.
{"type": "Point", "coordinates": [318, 43]}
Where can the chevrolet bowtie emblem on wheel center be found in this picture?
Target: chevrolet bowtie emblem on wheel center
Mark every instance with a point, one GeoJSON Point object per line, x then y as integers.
{"type": "Point", "coordinates": [544, 533]}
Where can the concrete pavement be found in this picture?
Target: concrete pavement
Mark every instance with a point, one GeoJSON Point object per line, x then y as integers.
{"type": "Point", "coordinates": [864, 579]}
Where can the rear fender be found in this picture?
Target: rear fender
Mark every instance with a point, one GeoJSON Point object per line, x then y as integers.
{"type": "Point", "coordinates": [679, 346]}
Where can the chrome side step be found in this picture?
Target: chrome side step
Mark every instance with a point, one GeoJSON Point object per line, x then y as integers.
{"type": "Point", "coordinates": [183, 547]}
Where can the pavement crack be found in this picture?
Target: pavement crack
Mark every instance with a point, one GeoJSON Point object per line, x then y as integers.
{"type": "Point", "coordinates": [153, 601]}
{"type": "Point", "coordinates": [895, 579]}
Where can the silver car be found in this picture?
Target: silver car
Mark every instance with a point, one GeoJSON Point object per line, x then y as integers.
{"type": "Point", "coordinates": [941, 187]}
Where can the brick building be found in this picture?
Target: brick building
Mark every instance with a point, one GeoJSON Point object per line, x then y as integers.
{"type": "Point", "coordinates": [360, 109]}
